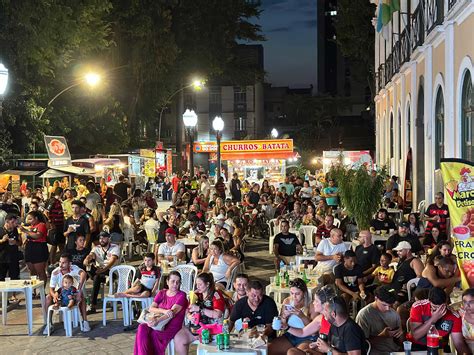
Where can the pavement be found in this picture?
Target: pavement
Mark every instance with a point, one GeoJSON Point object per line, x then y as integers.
{"type": "Point", "coordinates": [111, 339]}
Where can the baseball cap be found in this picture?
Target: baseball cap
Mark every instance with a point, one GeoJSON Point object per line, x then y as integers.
{"type": "Point", "coordinates": [402, 245]}
{"type": "Point", "coordinates": [104, 234]}
{"type": "Point", "coordinates": [170, 231]}
{"type": "Point", "coordinates": [404, 224]}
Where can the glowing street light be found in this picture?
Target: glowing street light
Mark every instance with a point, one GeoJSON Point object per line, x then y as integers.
{"type": "Point", "coordinates": [274, 133]}
{"type": "Point", "coordinates": [92, 79]}
{"type": "Point", "coordinates": [190, 121]}
{"type": "Point", "coordinates": [3, 79]}
{"type": "Point", "coordinates": [218, 125]}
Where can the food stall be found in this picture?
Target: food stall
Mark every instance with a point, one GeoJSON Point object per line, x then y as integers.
{"type": "Point", "coordinates": [252, 160]}
{"type": "Point", "coordinates": [350, 158]}
{"type": "Point", "coordinates": [98, 168]}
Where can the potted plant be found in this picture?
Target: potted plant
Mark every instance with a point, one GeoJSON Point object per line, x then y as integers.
{"type": "Point", "coordinates": [360, 191]}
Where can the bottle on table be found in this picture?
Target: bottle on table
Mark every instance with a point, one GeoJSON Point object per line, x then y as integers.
{"type": "Point", "coordinates": [277, 279]}
{"type": "Point", "coordinates": [432, 341]}
{"type": "Point", "coordinates": [226, 334]}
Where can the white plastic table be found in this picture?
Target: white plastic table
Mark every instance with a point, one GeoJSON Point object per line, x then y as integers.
{"type": "Point", "coordinates": [237, 347]}
{"type": "Point", "coordinates": [299, 259]}
{"type": "Point", "coordinates": [278, 291]}
{"type": "Point", "coordinates": [27, 289]}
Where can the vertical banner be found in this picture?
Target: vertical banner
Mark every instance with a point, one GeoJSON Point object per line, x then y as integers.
{"type": "Point", "coordinates": [458, 181]}
{"type": "Point", "coordinates": [408, 189]}
{"type": "Point", "coordinates": [169, 162]}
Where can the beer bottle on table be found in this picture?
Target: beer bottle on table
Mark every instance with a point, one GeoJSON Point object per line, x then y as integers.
{"type": "Point", "coordinates": [432, 341]}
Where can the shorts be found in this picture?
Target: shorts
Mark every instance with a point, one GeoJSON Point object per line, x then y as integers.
{"type": "Point", "coordinates": [143, 288]}
{"type": "Point", "coordinates": [58, 237]}
{"type": "Point", "coordinates": [295, 341]}
{"type": "Point", "coordinates": [36, 252]}
{"type": "Point", "coordinates": [116, 237]}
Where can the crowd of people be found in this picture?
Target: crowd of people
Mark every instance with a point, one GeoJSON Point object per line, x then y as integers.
{"type": "Point", "coordinates": [71, 234]}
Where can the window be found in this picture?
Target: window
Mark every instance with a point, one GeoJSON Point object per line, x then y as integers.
{"type": "Point", "coordinates": [215, 97]}
{"type": "Point", "coordinates": [392, 141]}
{"type": "Point", "coordinates": [467, 117]}
{"type": "Point", "coordinates": [240, 123]}
{"type": "Point", "coordinates": [439, 127]}
{"type": "Point", "coordinates": [408, 127]}
{"type": "Point", "coordinates": [240, 95]}
{"type": "Point", "coordinates": [399, 134]}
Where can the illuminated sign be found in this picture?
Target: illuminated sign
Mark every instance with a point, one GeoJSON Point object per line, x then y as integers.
{"type": "Point", "coordinates": [273, 145]}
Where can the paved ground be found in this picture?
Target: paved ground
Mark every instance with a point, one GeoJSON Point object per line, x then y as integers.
{"type": "Point", "coordinates": [104, 340]}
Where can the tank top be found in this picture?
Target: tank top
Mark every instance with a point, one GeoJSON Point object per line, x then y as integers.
{"type": "Point", "coordinates": [404, 273]}
{"type": "Point", "coordinates": [219, 270]}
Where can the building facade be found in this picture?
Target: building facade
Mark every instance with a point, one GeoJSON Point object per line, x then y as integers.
{"type": "Point", "coordinates": [425, 99]}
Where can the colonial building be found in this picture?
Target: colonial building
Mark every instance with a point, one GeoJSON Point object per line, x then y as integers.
{"type": "Point", "coordinates": [425, 100]}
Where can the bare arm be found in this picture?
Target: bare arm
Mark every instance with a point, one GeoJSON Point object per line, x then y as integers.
{"type": "Point", "coordinates": [430, 273]}
{"type": "Point", "coordinates": [309, 329]}
{"type": "Point", "coordinates": [417, 266]}
{"type": "Point", "coordinates": [321, 257]}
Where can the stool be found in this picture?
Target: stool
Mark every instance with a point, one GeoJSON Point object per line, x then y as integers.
{"type": "Point", "coordinates": [70, 318]}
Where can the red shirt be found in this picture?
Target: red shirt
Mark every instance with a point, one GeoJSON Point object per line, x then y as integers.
{"type": "Point", "coordinates": [450, 323]}
{"type": "Point", "coordinates": [325, 326]}
{"type": "Point", "coordinates": [42, 229]}
{"type": "Point", "coordinates": [323, 232]}
{"type": "Point", "coordinates": [442, 212]}
{"type": "Point", "coordinates": [175, 182]}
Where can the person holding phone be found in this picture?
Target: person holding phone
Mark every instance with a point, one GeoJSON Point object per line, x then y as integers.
{"type": "Point", "coordinates": [10, 240]}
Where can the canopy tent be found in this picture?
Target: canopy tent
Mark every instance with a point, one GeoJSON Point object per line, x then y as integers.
{"type": "Point", "coordinates": [52, 174]}
{"type": "Point", "coordinates": [76, 170]}
{"type": "Point", "coordinates": [21, 172]}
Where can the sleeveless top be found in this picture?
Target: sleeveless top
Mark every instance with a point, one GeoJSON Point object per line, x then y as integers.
{"type": "Point", "coordinates": [219, 270]}
{"type": "Point", "coordinates": [403, 274]}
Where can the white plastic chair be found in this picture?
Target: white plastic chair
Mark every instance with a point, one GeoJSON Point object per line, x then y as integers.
{"type": "Point", "coordinates": [70, 317]}
{"type": "Point", "coordinates": [151, 236]}
{"type": "Point", "coordinates": [348, 245]}
{"type": "Point", "coordinates": [145, 303]}
{"type": "Point", "coordinates": [126, 274]}
{"type": "Point", "coordinates": [230, 282]}
{"type": "Point", "coordinates": [129, 242]}
{"type": "Point", "coordinates": [410, 284]}
{"type": "Point", "coordinates": [308, 232]}
{"type": "Point", "coordinates": [337, 222]}
{"type": "Point", "coordinates": [188, 276]}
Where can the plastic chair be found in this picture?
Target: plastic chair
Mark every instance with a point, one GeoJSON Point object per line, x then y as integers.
{"type": "Point", "coordinates": [410, 284]}
{"type": "Point", "coordinates": [129, 241]}
{"type": "Point", "coordinates": [348, 245]}
{"type": "Point", "coordinates": [126, 274]}
{"type": "Point", "coordinates": [145, 303]}
{"type": "Point", "coordinates": [188, 276]}
{"type": "Point", "coordinates": [369, 346]}
{"type": "Point", "coordinates": [337, 222]}
{"type": "Point", "coordinates": [230, 282]}
{"type": "Point", "coordinates": [70, 316]}
{"type": "Point", "coordinates": [308, 232]}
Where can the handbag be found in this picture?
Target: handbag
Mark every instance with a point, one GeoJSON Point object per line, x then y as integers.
{"type": "Point", "coordinates": [146, 316]}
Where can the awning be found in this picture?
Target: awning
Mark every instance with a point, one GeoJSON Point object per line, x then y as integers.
{"type": "Point", "coordinates": [76, 170]}
{"type": "Point", "coordinates": [52, 173]}
{"type": "Point", "coordinates": [21, 172]}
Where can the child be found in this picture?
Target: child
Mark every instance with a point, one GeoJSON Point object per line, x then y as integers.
{"type": "Point", "coordinates": [66, 295]}
{"type": "Point", "coordinates": [147, 282]}
{"type": "Point", "coordinates": [384, 273]}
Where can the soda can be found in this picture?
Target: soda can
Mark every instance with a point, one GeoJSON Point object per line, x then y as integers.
{"type": "Point", "coordinates": [220, 341]}
{"type": "Point", "coordinates": [205, 336]}
{"type": "Point", "coordinates": [226, 341]}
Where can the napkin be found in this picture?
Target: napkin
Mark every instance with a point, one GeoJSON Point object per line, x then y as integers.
{"type": "Point", "coordinates": [257, 342]}
{"type": "Point", "coordinates": [238, 325]}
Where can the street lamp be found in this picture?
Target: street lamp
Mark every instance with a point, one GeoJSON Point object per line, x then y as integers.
{"type": "Point", "coordinates": [190, 120]}
{"type": "Point", "coordinates": [3, 83]}
{"type": "Point", "coordinates": [218, 125]}
{"type": "Point", "coordinates": [274, 133]}
{"type": "Point", "coordinates": [91, 79]}
{"type": "Point", "coordinates": [197, 84]}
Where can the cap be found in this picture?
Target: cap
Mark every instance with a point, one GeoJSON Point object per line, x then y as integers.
{"type": "Point", "coordinates": [104, 234]}
{"type": "Point", "coordinates": [404, 224]}
{"type": "Point", "coordinates": [170, 231]}
{"type": "Point", "coordinates": [402, 245]}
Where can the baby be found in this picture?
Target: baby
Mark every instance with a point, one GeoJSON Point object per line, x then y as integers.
{"type": "Point", "coordinates": [384, 273]}
{"type": "Point", "coordinates": [66, 295]}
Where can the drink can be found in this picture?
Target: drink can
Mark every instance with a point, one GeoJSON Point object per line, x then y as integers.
{"type": "Point", "coordinates": [220, 341]}
{"type": "Point", "coordinates": [205, 336]}
{"type": "Point", "coordinates": [226, 341]}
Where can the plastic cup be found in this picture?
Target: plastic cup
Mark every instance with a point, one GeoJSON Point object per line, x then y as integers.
{"type": "Point", "coordinates": [34, 279]}
{"type": "Point", "coordinates": [407, 345]}
{"type": "Point", "coordinates": [7, 280]}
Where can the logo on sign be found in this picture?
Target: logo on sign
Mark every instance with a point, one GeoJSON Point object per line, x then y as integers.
{"type": "Point", "coordinates": [57, 147]}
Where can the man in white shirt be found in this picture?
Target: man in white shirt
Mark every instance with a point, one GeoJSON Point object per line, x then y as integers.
{"type": "Point", "coordinates": [205, 187]}
{"type": "Point", "coordinates": [172, 248]}
{"type": "Point", "coordinates": [92, 197]}
{"type": "Point", "coordinates": [67, 268]}
{"type": "Point", "coordinates": [105, 255]}
{"type": "Point", "coordinates": [330, 252]}
{"type": "Point", "coordinates": [26, 202]}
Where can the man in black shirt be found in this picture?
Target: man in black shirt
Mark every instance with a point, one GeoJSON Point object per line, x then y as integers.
{"type": "Point", "coordinates": [235, 186]}
{"type": "Point", "coordinates": [349, 278]}
{"type": "Point", "coordinates": [345, 335]}
{"type": "Point", "coordinates": [76, 225]}
{"type": "Point", "coordinates": [256, 307]}
{"type": "Point", "coordinates": [382, 224]}
{"type": "Point", "coordinates": [9, 242]}
{"type": "Point", "coordinates": [285, 245]}
{"type": "Point", "coordinates": [403, 235]}
{"type": "Point", "coordinates": [254, 196]}
{"type": "Point", "coordinates": [367, 254]}
{"type": "Point", "coordinates": [121, 188]}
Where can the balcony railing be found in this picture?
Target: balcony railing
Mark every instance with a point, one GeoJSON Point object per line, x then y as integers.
{"type": "Point", "coordinates": [427, 15]}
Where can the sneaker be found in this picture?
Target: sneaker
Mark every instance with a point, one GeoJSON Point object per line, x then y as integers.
{"type": "Point", "coordinates": [51, 329]}
{"type": "Point", "coordinates": [86, 327]}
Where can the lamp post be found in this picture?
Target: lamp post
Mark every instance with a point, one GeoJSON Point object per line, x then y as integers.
{"type": "Point", "coordinates": [3, 83]}
{"type": "Point", "coordinates": [274, 133]}
{"type": "Point", "coordinates": [218, 125]}
{"type": "Point", "coordinates": [190, 120]}
{"type": "Point", "coordinates": [196, 84]}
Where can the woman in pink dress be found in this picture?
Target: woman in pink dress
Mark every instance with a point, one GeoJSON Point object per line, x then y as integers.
{"type": "Point", "coordinates": [171, 303]}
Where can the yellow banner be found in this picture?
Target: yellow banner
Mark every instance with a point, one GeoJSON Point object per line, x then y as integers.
{"type": "Point", "coordinates": [458, 180]}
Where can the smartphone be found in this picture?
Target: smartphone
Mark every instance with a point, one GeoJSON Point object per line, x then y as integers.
{"type": "Point", "coordinates": [289, 307]}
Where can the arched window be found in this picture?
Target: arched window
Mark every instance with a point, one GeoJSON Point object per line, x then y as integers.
{"type": "Point", "coordinates": [467, 117]}
{"type": "Point", "coordinates": [439, 127]}
{"type": "Point", "coordinates": [392, 141]}
{"type": "Point", "coordinates": [399, 133]}
{"type": "Point", "coordinates": [408, 127]}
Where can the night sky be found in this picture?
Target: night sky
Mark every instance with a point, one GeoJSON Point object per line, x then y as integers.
{"type": "Point", "coordinates": [290, 49]}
